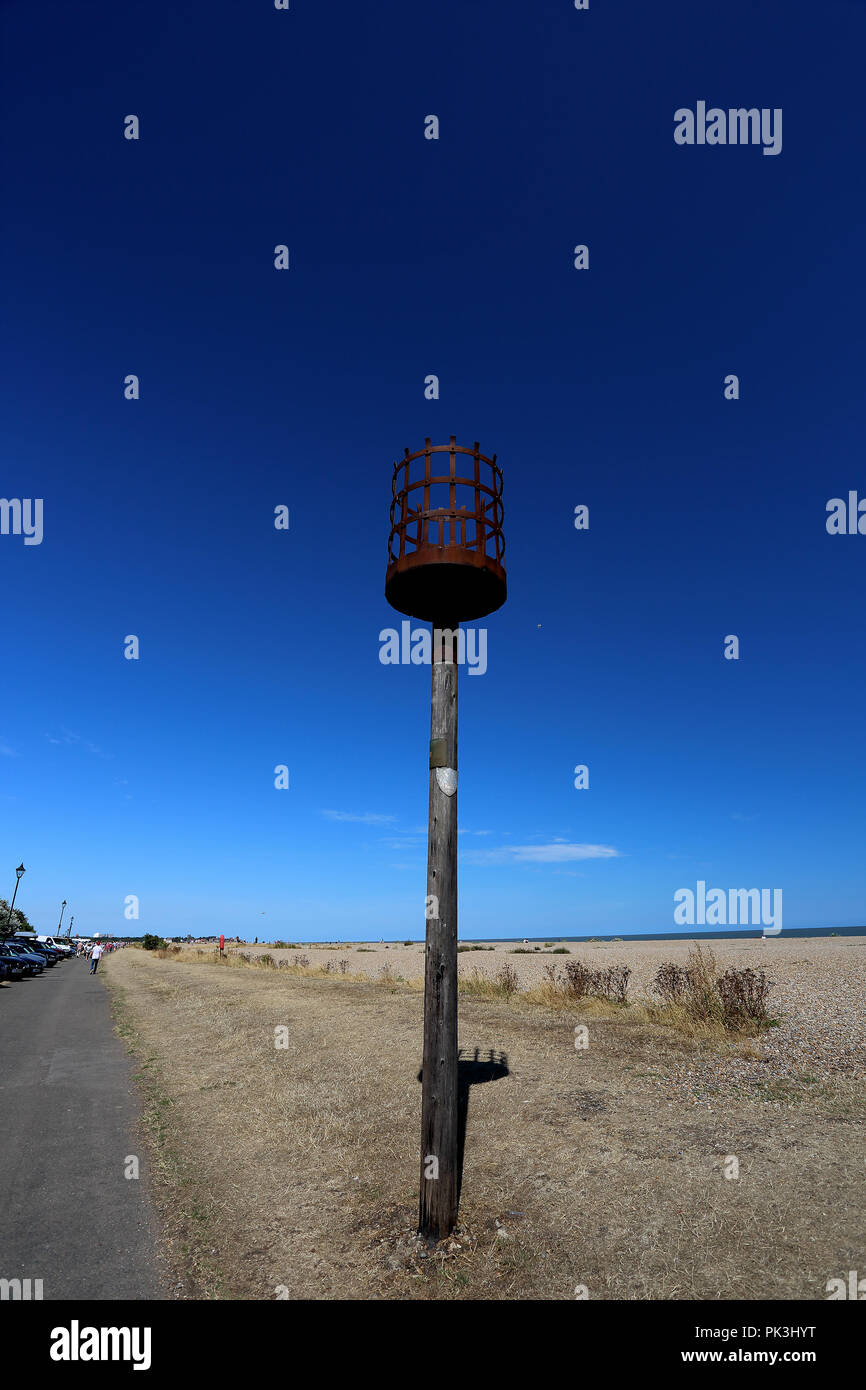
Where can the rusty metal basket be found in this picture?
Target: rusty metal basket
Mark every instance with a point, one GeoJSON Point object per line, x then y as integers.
{"type": "Point", "coordinates": [446, 546]}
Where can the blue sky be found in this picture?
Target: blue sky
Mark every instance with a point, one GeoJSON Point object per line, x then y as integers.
{"type": "Point", "coordinates": [259, 387]}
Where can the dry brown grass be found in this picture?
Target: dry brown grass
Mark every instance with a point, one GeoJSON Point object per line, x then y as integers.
{"type": "Point", "coordinates": [297, 1168]}
{"type": "Point", "coordinates": [553, 993]}
{"type": "Point", "coordinates": [236, 960]}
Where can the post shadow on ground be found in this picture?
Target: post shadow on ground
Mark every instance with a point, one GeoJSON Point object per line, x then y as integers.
{"type": "Point", "coordinates": [472, 1070]}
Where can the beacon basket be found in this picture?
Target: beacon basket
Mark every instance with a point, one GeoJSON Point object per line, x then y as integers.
{"type": "Point", "coordinates": [446, 547]}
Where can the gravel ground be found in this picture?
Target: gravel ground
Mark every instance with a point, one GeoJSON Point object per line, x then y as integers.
{"type": "Point", "coordinates": [818, 996]}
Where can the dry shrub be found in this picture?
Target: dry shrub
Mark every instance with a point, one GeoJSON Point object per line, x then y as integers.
{"type": "Point", "coordinates": [579, 984]}
{"type": "Point", "coordinates": [551, 977]}
{"type": "Point", "coordinates": [502, 985]}
{"type": "Point", "coordinates": [744, 995]}
{"type": "Point", "coordinates": [506, 979]}
{"type": "Point", "coordinates": [301, 961]}
{"type": "Point", "coordinates": [577, 979]}
{"type": "Point", "coordinates": [611, 983]}
{"type": "Point", "coordinates": [697, 994]}
{"type": "Point", "coordinates": [343, 963]}
{"type": "Point", "coordinates": [702, 997]}
{"type": "Point", "coordinates": [690, 998]}
{"type": "Point", "coordinates": [671, 982]}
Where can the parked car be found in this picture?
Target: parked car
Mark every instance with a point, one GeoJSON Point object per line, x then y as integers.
{"type": "Point", "coordinates": [41, 942]}
{"type": "Point", "coordinates": [50, 957]}
{"type": "Point", "coordinates": [11, 968]}
{"type": "Point", "coordinates": [34, 962]}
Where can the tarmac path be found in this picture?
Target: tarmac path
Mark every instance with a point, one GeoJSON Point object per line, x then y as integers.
{"type": "Point", "coordinates": [68, 1115]}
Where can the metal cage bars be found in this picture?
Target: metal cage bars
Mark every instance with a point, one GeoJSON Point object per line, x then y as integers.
{"type": "Point", "coordinates": [436, 528]}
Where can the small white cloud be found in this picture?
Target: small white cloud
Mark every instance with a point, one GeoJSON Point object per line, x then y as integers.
{"type": "Point", "coordinates": [6, 751]}
{"type": "Point", "coordinates": [76, 741]}
{"type": "Point", "coordinates": [368, 817]}
{"type": "Point", "coordinates": [558, 852]}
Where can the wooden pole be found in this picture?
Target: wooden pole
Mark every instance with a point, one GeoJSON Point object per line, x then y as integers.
{"type": "Point", "coordinates": [438, 1201]}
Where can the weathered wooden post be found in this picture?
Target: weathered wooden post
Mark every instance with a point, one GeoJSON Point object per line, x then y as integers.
{"type": "Point", "coordinates": [445, 556]}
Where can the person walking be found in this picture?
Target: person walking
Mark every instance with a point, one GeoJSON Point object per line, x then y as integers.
{"type": "Point", "coordinates": [94, 957]}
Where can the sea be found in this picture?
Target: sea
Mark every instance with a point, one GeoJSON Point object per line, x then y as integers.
{"type": "Point", "coordinates": [753, 933]}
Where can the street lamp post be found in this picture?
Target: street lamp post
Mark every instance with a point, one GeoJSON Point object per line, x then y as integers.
{"type": "Point", "coordinates": [18, 872]}
{"type": "Point", "coordinates": [62, 910]}
{"type": "Point", "coordinates": [69, 926]}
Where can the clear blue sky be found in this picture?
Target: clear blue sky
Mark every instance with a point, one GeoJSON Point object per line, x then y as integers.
{"type": "Point", "coordinates": [258, 387]}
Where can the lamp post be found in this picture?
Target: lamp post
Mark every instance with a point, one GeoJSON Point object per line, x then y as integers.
{"type": "Point", "coordinates": [69, 927]}
{"type": "Point", "coordinates": [62, 910]}
{"type": "Point", "coordinates": [18, 872]}
{"type": "Point", "coordinates": [445, 566]}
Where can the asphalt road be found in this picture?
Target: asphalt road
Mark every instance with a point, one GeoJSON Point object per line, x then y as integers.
{"type": "Point", "coordinates": [68, 1216]}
